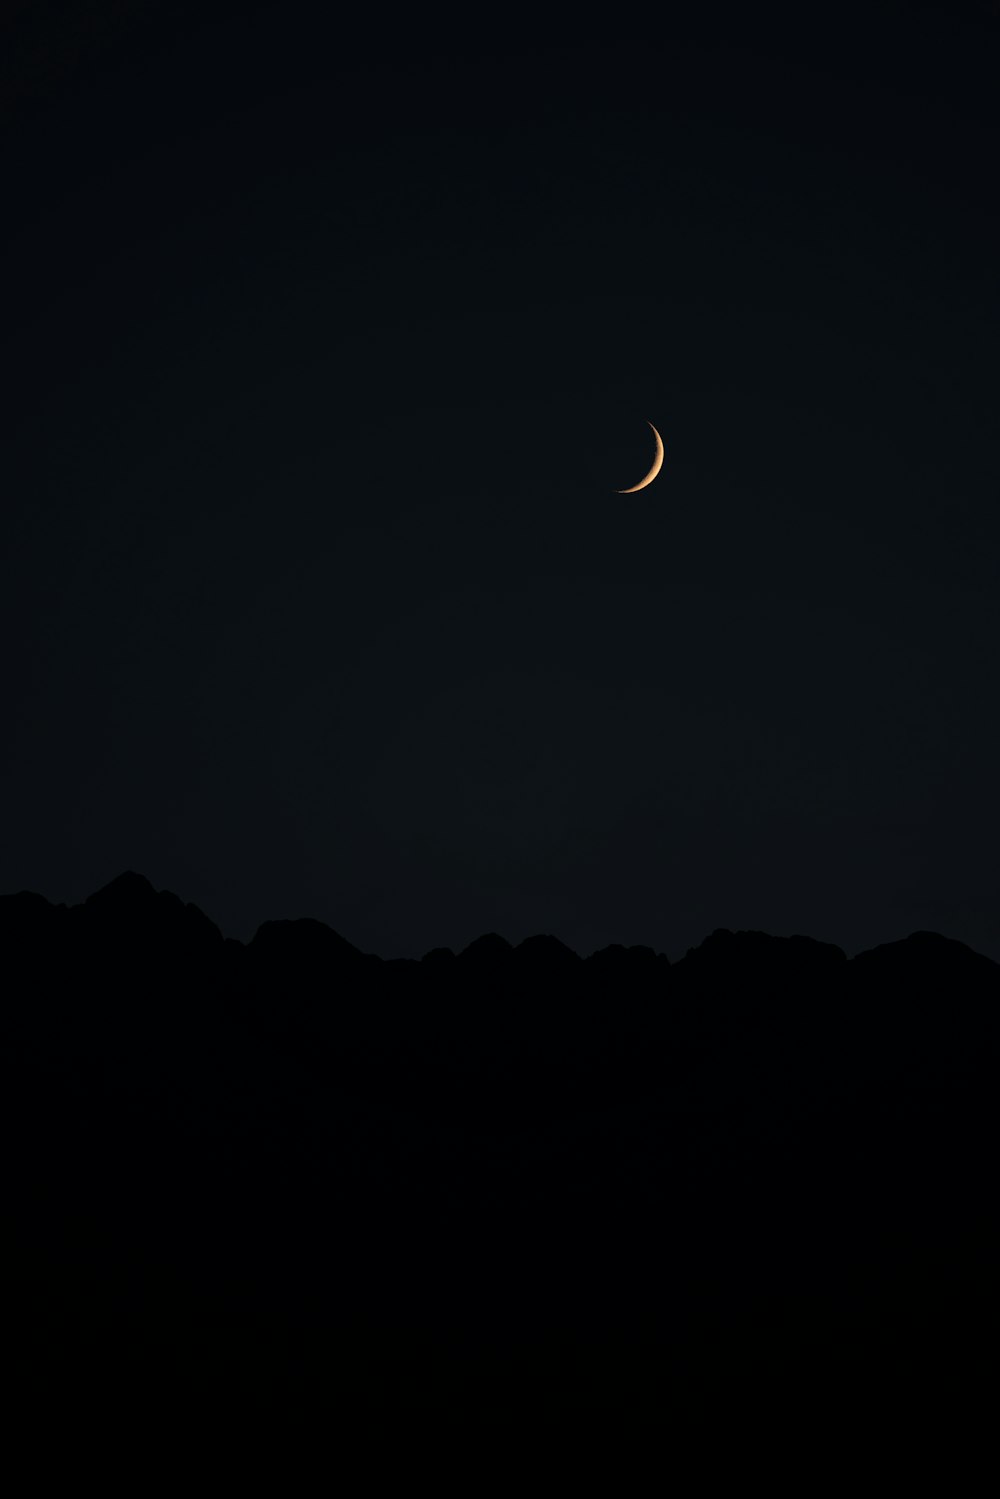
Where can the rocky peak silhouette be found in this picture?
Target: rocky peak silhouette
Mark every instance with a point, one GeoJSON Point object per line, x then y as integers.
{"type": "Point", "coordinates": [545, 951]}
{"type": "Point", "coordinates": [489, 949]}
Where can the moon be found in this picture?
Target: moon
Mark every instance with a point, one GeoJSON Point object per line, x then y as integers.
{"type": "Point", "coordinates": [657, 465]}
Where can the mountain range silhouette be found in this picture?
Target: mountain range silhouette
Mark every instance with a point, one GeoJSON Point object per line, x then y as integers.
{"type": "Point", "coordinates": [511, 1176]}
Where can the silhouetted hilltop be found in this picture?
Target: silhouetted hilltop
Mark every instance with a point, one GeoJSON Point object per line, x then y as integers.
{"type": "Point", "coordinates": [490, 949]}
{"type": "Point", "coordinates": [133, 910]}
{"type": "Point", "coordinates": [376, 1177]}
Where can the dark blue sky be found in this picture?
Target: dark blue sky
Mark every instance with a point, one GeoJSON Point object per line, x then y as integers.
{"type": "Point", "coordinates": [324, 355]}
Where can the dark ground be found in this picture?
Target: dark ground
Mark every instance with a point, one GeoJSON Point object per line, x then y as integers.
{"type": "Point", "coordinates": [753, 1187]}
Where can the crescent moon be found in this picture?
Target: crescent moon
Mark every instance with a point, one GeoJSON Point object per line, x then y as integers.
{"type": "Point", "coordinates": [657, 465]}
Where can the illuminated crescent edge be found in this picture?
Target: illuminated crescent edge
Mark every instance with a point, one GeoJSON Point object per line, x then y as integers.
{"type": "Point", "coordinates": [657, 465]}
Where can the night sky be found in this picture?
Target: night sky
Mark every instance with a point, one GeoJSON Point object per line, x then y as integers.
{"type": "Point", "coordinates": [325, 349]}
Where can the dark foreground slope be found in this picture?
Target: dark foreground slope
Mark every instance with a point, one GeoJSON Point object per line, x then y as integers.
{"type": "Point", "coordinates": [511, 1179]}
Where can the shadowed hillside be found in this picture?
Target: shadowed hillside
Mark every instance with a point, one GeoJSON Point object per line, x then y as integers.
{"type": "Point", "coordinates": [511, 1175]}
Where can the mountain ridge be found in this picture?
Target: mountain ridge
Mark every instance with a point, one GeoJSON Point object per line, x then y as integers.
{"type": "Point", "coordinates": [132, 891]}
